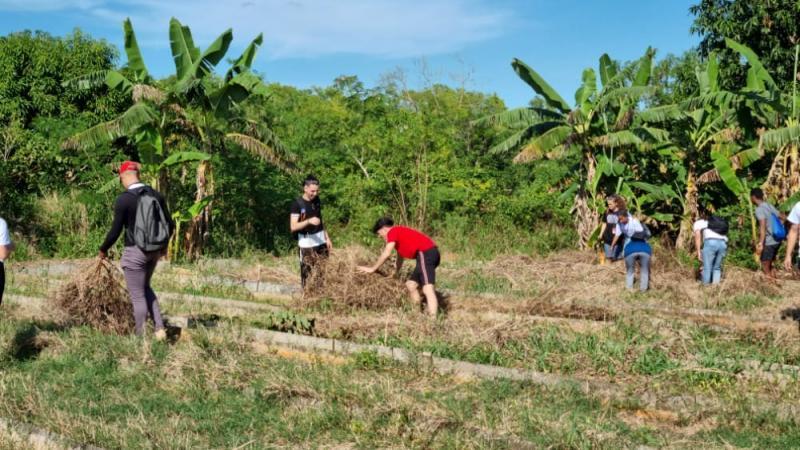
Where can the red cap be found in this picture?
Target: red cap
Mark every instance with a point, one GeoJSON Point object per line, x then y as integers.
{"type": "Point", "coordinates": [129, 165]}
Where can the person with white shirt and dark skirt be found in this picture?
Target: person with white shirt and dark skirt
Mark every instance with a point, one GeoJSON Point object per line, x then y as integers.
{"type": "Point", "coordinates": [711, 242]}
{"type": "Point", "coordinates": [6, 247]}
{"type": "Point", "coordinates": [305, 222]}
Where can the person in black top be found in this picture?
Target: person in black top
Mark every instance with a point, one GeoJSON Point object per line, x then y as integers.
{"type": "Point", "coordinates": [305, 222]}
{"type": "Point", "coordinates": [137, 265]}
{"type": "Point", "coordinates": [614, 203]}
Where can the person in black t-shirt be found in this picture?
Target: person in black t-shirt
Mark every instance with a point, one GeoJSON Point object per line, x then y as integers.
{"type": "Point", "coordinates": [137, 265]}
{"type": "Point", "coordinates": [615, 203]}
{"type": "Point", "coordinates": [305, 222]}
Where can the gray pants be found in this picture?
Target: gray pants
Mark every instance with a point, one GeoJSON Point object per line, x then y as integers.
{"type": "Point", "coordinates": [644, 270]}
{"type": "Point", "coordinates": [138, 267]}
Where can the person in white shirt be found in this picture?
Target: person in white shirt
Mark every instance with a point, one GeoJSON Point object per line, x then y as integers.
{"type": "Point", "coordinates": [791, 240]}
{"type": "Point", "coordinates": [305, 222]}
{"type": "Point", "coordinates": [711, 242]}
{"type": "Point", "coordinates": [6, 247]}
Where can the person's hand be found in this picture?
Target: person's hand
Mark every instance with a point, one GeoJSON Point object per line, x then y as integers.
{"type": "Point", "coordinates": [329, 244]}
{"type": "Point", "coordinates": [314, 221]}
{"type": "Point", "coordinates": [102, 255]}
{"type": "Point", "coordinates": [759, 248]}
{"type": "Point", "coordinates": [365, 269]}
{"type": "Point", "coordinates": [700, 256]}
{"type": "Point", "coordinates": [787, 263]}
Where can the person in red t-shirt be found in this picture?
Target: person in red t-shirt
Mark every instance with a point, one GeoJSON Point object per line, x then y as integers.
{"type": "Point", "coordinates": [410, 244]}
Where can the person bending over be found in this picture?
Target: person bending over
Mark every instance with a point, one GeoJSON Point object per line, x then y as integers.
{"type": "Point", "coordinates": [410, 244]}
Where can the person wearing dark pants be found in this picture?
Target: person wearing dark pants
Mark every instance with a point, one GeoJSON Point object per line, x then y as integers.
{"type": "Point", "coordinates": [410, 244]}
{"type": "Point", "coordinates": [6, 247]}
{"type": "Point", "coordinates": [137, 264]}
{"type": "Point", "coordinates": [305, 222]}
{"type": "Point", "coordinates": [769, 242]}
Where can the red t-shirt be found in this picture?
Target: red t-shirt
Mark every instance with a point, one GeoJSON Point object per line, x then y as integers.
{"type": "Point", "coordinates": [409, 241]}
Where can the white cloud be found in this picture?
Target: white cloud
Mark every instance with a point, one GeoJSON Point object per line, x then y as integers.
{"type": "Point", "coordinates": [47, 5]}
{"type": "Point", "coordinates": [306, 28]}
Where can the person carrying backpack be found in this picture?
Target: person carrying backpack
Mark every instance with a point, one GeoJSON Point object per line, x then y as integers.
{"type": "Point", "coordinates": [711, 242]}
{"type": "Point", "coordinates": [144, 215]}
{"type": "Point", "coordinates": [770, 232]}
{"type": "Point", "coordinates": [636, 249]}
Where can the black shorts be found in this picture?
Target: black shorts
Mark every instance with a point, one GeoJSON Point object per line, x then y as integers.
{"type": "Point", "coordinates": [427, 262]}
{"type": "Point", "coordinates": [770, 252]}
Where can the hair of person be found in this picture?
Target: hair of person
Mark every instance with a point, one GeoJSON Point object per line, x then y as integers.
{"type": "Point", "coordinates": [620, 203]}
{"type": "Point", "coordinates": [622, 213]}
{"type": "Point", "coordinates": [612, 197]}
{"type": "Point", "coordinates": [382, 222]}
{"type": "Point", "coordinates": [757, 193]}
{"type": "Point", "coordinates": [309, 180]}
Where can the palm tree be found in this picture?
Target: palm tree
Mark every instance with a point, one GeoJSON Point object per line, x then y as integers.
{"type": "Point", "coordinates": [602, 122]}
{"type": "Point", "coordinates": [185, 120]}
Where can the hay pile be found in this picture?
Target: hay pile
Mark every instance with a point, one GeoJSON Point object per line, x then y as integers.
{"type": "Point", "coordinates": [336, 280]}
{"type": "Point", "coordinates": [570, 276]}
{"type": "Point", "coordinates": [96, 296]}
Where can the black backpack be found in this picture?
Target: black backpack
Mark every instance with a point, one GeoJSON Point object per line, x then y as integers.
{"type": "Point", "coordinates": [718, 225]}
{"type": "Point", "coordinates": [151, 228]}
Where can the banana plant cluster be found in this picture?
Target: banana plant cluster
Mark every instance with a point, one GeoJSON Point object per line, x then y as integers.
{"type": "Point", "coordinates": [603, 124]}
{"type": "Point", "coordinates": [623, 147]}
{"type": "Point", "coordinates": [185, 121]}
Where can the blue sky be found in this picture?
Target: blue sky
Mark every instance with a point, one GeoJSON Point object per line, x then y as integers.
{"type": "Point", "coordinates": [311, 42]}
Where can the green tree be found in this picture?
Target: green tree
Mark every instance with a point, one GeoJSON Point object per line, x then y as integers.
{"type": "Point", "coordinates": [770, 28]}
{"type": "Point", "coordinates": [185, 119]}
{"type": "Point", "coordinates": [603, 123]}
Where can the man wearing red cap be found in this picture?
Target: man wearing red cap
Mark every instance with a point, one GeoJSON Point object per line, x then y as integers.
{"type": "Point", "coordinates": [144, 215]}
{"type": "Point", "coordinates": [410, 244]}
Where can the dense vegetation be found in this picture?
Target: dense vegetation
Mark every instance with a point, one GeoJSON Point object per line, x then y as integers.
{"type": "Point", "coordinates": [671, 133]}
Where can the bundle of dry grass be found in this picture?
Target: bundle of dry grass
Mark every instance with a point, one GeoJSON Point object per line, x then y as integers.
{"type": "Point", "coordinates": [336, 279]}
{"type": "Point", "coordinates": [96, 296]}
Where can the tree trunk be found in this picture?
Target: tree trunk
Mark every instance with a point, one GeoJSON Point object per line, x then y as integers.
{"type": "Point", "coordinates": [198, 232]}
{"type": "Point", "coordinates": [585, 214]}
{"type": "Point", "coordinates": [684, 241]}
{"type": "Point", "coordinates": [783, 180]}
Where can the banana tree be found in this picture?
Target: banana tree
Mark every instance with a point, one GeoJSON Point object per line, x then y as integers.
{"type": "Point", "coordinates": [168, 121]}
{"type": "Point", "coordinates": [602, 122]}
{"type": "Point", "coordinates": [711, 120]}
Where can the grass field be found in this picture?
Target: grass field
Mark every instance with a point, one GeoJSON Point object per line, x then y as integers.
{"type": "Point", "coordinates": [677, 367]}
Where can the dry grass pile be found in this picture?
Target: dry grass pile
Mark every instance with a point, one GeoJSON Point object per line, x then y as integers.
{"type": "Point", "coordinates": [571, 276]}
{"type": "Point", "coordinates": [96, 296]}
{"type": "Point", "coordinates": [336, 279]}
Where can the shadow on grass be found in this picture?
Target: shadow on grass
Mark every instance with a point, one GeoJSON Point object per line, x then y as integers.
{"type": "Point", "coordinates": [28, 343]}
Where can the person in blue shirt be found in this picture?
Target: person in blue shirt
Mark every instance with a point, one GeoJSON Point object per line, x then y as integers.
{"type": "Point", "coordinates": [636, 249]}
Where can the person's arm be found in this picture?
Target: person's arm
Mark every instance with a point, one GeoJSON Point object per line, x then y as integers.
{"type": "Point", "coordinates": [762, 235]}
{"type": "Point", "coordinates": [698, 244]}
{"type": "Point", "coordinates": [295, 224]}
{"type": "Point", "coordinates": [617, 233]}
{"type": "Point", "coordinates": [387, 252]}
{"type": "Point", "coordinates": [116, 227]}
{"type": "Point", "coordinates": [791, 242]}
{"type": "Point", "coordinates": [5, 250]}
{"type": "Point", "coordinates": [398, 264]}
{"type": "Point", "coordinates": [328, 241]}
